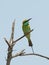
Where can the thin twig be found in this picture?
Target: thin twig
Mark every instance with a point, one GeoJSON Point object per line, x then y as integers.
{"type": "Point", "coordinates": [12, 33]}
{"type": "Point", "coordinates": [32, 54]}
{"type": "Point", "coordinates": [7, 42]}
{"type": "Point", "coordinates": [19, 54]}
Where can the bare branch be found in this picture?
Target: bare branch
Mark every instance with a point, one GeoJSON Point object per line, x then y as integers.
{"type": "Point", "coordinates": [19, 54]}
{"type": "Point", "coordinates": [9, 55]}
{"type": "Point", "coordinates": [22, 36]}
{"type": "Point", "coordinates": [37, 55]}
{"type": "Point", "coordinates": [12, 34]}
{"type": "Point", "coordinates": [6, 41]}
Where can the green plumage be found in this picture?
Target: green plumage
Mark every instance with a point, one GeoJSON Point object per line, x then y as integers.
{"type": "Point", "coordinates": [26, 29]}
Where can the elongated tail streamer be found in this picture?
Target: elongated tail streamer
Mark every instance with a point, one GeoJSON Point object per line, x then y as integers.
{"type": "Point", "coordinates": [32, 49]}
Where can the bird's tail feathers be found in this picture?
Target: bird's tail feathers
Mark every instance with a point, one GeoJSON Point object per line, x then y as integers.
{"type": "Point", "coordinates": [30, 42]}
{"type": "Point", "coordinates": [31, 45]}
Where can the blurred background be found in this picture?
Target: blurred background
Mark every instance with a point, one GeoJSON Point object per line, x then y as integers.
{"type": "Point", "coordinates": [38, 10]}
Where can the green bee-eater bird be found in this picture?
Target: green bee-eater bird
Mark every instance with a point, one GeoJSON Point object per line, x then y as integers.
{"type": "Point", "coordinates": [26, 29]}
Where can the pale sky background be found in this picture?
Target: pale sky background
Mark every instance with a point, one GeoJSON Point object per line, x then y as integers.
{"type": "Point", "coordinates": [38, 10]}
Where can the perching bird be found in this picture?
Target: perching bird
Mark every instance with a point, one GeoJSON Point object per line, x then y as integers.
{"type": "Point", "coordinates": [26, 29]}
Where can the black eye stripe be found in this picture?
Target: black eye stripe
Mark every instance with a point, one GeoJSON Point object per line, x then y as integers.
{"type": "Point", "coordinates": [25, 22]}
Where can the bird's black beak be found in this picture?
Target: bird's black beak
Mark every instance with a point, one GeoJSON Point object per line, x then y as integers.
{"type": "Point", "coordinates": [29, 19]}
